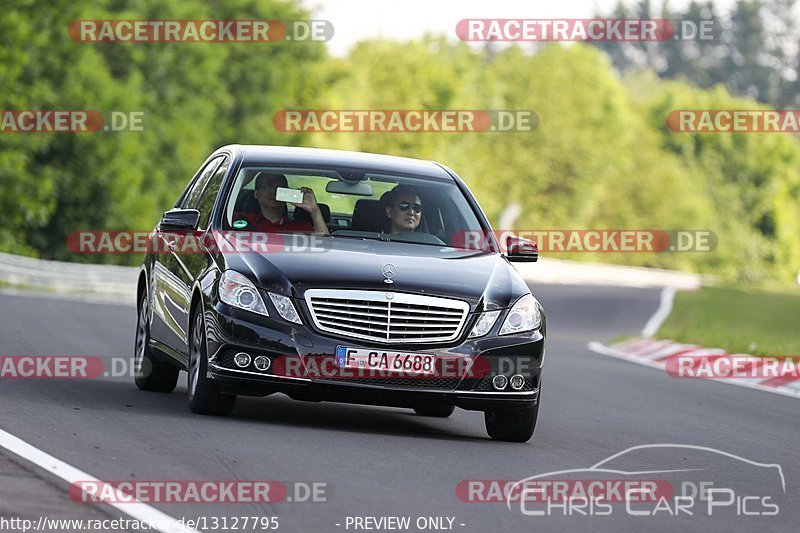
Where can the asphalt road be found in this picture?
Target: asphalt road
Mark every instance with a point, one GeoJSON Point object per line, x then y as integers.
{"type": "Point", "coordinates": [390, 462]}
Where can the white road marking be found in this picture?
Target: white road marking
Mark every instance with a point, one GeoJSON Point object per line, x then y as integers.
{"type": "Point", "coordinates": [88, 298]}
{"type": "Point", "coordinates": [137, 510]}
{"type": "Point", "coordinates": [665, 350]}
{"type": "Point", "coordinates": [664, 309]}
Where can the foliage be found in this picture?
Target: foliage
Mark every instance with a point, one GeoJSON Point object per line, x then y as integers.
{"type": "Point", "coordinates": [740, 320]}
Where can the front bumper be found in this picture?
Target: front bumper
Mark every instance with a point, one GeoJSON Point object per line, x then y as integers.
{"type": "Point", "coordinates": [311, 354]}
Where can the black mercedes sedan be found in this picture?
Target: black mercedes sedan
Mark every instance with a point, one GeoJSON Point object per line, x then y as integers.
{"type": "Point", "coordinates": [339, 276]}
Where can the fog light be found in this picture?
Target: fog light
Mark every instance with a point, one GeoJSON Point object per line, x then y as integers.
{"type": "Point", "coordinates": [499, 382]}
{"type": "Point", "coordinates": [242, 360]}
{"type": "Point", "coordinates": [517, 382]}
{"type": "Point", "coordinates": [262, 363]}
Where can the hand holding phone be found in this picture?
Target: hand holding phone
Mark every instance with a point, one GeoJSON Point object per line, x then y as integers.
{"type": "Point", "coordinates": [283, 194]}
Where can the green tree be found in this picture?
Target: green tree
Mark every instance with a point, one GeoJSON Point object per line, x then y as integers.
{"type": "Point", "coordinates": [195, 97]}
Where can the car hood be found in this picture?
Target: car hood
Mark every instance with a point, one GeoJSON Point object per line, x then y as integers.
{"type": "Point", "coordinates": [477, 278]}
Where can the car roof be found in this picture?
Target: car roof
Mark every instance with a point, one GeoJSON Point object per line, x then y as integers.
{"type": "Point", "coordinates": [292, 155]}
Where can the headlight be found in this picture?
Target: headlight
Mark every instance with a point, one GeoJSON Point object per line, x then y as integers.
{"type": "Point", "coordinates": [524, 316]}
{"type": "Point", "coordinates": [285, 308]}
{"type": "Point", "coordinates": [238, 291]}
{"type": "Point", "coordinates": [484, 324]}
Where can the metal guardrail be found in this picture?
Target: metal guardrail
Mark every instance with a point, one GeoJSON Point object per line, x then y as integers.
{"type": "Point", "coordinates": [60, 276]}
{"type": "Point", "coordinates": [558, 271]}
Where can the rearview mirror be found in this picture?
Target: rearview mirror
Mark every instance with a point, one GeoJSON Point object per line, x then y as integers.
{"type": "Point", "coordinates": [521, 250]}
{"type": "Point", "coordinates": [180, 219]}
{"type": "Point", "coordinates": [349, 187]}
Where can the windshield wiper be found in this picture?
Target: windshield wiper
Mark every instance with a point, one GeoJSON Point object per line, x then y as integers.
{"type": "Point", "coordinates": [407, 241]}
{"type": "Point", "coordinates": [375, 237]}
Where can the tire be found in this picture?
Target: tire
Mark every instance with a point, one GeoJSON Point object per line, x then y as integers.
{"type": "Point", "coordinates": [511, 425]}
{"type": "Point", "coordinates": [148, 373]}
{"type": "Point", "coordinates": [204, 396]}
{"type": "Point", "coordinates": [435, 410]}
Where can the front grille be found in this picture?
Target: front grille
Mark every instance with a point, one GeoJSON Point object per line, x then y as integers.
{"type": "Point", "coordinates": [389, 317]}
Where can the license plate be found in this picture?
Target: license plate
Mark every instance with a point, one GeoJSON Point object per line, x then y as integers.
{"type": "Point", "coordinates": [406, 362]}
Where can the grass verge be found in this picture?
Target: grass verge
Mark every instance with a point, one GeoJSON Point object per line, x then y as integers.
{"type": "Point", "coordinates": [739, 320]}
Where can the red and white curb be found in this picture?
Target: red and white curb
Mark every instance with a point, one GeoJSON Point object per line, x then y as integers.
{"type": "Point", "coordinates": [663, 355]}
{"type": "Point", "coordinates": [689, 361]}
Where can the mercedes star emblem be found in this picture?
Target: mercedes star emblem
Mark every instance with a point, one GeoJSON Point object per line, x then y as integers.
{"type": "Point", "coordinates": [389, 272]}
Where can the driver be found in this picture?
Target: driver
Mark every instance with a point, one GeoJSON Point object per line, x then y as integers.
{"type": "Point", "coordinates": [404, 210]}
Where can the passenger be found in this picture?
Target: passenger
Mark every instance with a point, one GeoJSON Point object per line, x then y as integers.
{"type": "Point", "coordinates": [273, 214]}
{"type": "Point", "coordinates": [404, 211]}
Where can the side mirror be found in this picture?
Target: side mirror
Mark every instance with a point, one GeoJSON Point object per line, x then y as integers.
{"type": "Point", "coordinates": [521, 250]}
{"type": "Point", "coordinates": [180, 219]}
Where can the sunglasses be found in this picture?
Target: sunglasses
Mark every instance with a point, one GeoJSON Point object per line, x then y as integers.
{"type": "Point", "coordinates": [405, 206]}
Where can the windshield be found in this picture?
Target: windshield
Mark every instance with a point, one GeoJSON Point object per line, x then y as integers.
{"type": "Point", "coordinates": [355, 205]}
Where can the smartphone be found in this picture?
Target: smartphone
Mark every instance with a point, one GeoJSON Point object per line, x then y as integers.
{"type": "Point", "coordinates": [282, 194]}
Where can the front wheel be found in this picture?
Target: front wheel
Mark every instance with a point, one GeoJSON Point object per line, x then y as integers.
{"type": "Point", "coordinates": [512, 425]}
{"type": "Point", "coordinates": [204, 396]}
{"type": "Point", "coordinates": [149, 374]}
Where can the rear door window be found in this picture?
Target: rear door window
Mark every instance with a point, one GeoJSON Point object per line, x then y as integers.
{"type": "Point", "coordinates": [209, 196]}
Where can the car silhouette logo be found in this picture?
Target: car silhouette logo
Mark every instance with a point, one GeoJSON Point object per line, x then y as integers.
{"type": "Point", "coordinates": [389, 272]}
{"type": "Point", "coordinates": [609, 466]}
